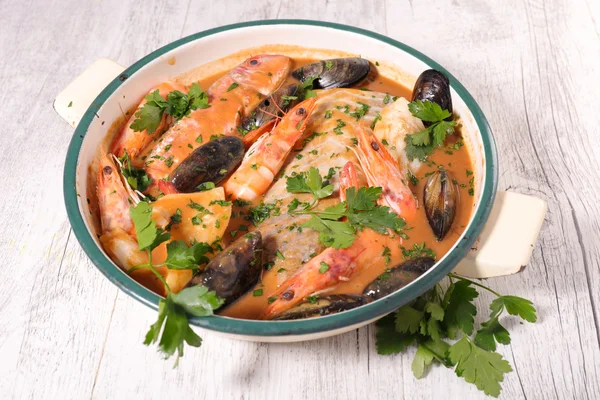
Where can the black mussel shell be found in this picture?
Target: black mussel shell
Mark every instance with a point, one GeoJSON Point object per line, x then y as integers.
{"type": "Point", "coordinates": [211, 162]}
{"type": "Point", "coordinates": [334, 73]}
{"type": "Point", "coordinates": [440, 200]}
{"type": "Point", "coordinates": [235, 270]}
{"type": "Point", "coordinates": [397, 277]}
{"type": "Point", "coordinates": [324, 305]}
{"type": "Point", "coordinates": [434, 86]}
{"type": "Point", "coordinates": [271, 106]}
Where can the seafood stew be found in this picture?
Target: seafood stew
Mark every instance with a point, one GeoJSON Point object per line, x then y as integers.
{"type": "Point", "coordinates": [294, 187]}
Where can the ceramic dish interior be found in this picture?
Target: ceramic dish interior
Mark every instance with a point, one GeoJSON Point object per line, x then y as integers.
{"type": "Point", "coordinates": [397, 61]}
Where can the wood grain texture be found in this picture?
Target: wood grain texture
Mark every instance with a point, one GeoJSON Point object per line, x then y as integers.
{"type": "Point", "coordinates": [66, 332]}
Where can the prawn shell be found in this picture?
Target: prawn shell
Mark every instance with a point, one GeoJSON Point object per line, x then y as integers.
{"type": "Point", "coordinates": [397, 277]}
{"type": "Point", "coordinates": [433, 86]}
{"type": "Point", "coordinates": [324, 305]}
{"type": "Point", "coordinates": [335, 73]}
{"type": "Point", "coordinates": [270, 107]}
{"type": "Point", "coordinates": [211, 162]}
{"type": "Point", "coordinates": [235, 270]}
{"type": "Point", "coordinates": [440, 201]}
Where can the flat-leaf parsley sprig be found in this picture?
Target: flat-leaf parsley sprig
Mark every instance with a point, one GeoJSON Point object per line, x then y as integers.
{"type": "Point", "coordinates": [172, 326]}
{"type": "Point", "coordinates": [421, 144]}
{"type": "Point", "coordinates": [439, 315]}
{"type": "Point", "coordinates": [359, 211]}
{"type": "Point", "coordinates": [177, 104]}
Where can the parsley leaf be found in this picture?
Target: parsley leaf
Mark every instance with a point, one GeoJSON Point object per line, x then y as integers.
{"type": "Point", "coordinates": [177, 104]}
{"type": "Point", "coordinates": [148, 235]}
{"type": "Point", "coordinates": [423, 358]}
{"type": "Point", "coordinates": [305, 90]}
{"type": "Point", "coordinates": [172, 315]}
{"type": "Point", "coordinates": [473, 359]}
{"type": "Point", "coordinates": [198, 97]}
{"type": "Point", "coordinates": [516, 306]}
{"type": "Point", "coordinates": [363, 199]}
{"type": "Point", "coordinates": [414, 152]}
{"type": "Point", "coordinates": [483, 368]}
{"type": "Point", "coordinates": [428, 111]}
{"type": "Point", "coordinates": [421, 144]}
{"type": "Point", "coordinates": [460, 311]}
{"type": "Point", "coordinates": [389, 341]}
{"type": "Point", "coordinates": [380, 219]}
{"type": "Point", "coordinates": [360, 209]}
{"type": "Point", "coordinates": [197, 300]}
{"type": "Point", "coordinates": [309, 182]}
{"type": "Point", "coordinates": [492, 331]}
{"type": "Point", "coordinates": [408, 319]}
{"type": "Point", "coordinates": [172, 329]}
{"type": "Point", "coordinates": [180, 256]}
{"type": "Point", "coordinates": [336, 234]}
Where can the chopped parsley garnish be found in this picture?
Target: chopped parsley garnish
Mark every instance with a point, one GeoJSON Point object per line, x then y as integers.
{"type": "Point", "coordinates": [387, 255]}
{"type": "Point", "coordinates": [338, 128]}
{"type": "Point", "coordinates": [137, 178]}
{"type": "Point", "coordinates": [412, 178]}
{"type": "Point", "coordinates": [241, 203]}
{"type": "Point", "coordinates": [328, 114]}
{"type": "Point", "coordinates": [257, 293]}
{"type": "Point", "coordinates": [232, 86]}
{"type": "Point", "coordinates": [418, 251]}
{"type": "Point", "coordinates": [222, 203]}
{"type": "Point", "coordinates": [324, 267]}
{"type": "Point", "coordinates": [305, 90]}
{"type": "Point", "coordinates": [360, 112]}
{"type": "Point", "coordinates": [198, 207]}
{"type": "Point", "coordinates": [311, 137]}
{"type": "Point", "coordinates": [204, 186]}
{"type": "Point", "coordinates": [376, 119]}
{"type": "Point", "coordinates": [175, 219]}
{"type": "Point", "coordinates": [263, 211]}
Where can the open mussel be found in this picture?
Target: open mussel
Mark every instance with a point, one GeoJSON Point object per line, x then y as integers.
{"type": "Point", "coordinates": [211, 162]}
{"type": "Point", "coordinates": [434, 86]}
{"type": "Point", "coordinates": [320, 306]}
{"type": "Point", "coordinates": [235, 270]}
{"type": "Point", "coordinates": [272, 107]}
{"type": "Point", "coordinates": [397, 277]}
{"type": "Point", "coordinates": [440, 201]}
{"type": "Point", "coordinates": [334, 73]}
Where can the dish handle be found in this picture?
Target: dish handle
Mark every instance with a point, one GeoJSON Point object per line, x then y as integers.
{"type": "Point", "coordinates": [75, 99]}
{"type": "Point", "coordinates": [507, 239]}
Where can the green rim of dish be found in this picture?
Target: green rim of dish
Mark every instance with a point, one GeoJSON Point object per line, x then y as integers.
{"type": "Point", "coordinates": [282, 328]}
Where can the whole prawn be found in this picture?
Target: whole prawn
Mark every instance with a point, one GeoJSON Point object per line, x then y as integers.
{"type": "Point", "coordinates": [343, 263]}
{"type": "Point", "coordinates": [266, 157]}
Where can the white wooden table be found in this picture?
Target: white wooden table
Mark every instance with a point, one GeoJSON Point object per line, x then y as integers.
{"type": "Point", "coordinates": [66, 332]}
